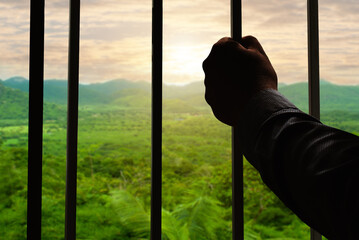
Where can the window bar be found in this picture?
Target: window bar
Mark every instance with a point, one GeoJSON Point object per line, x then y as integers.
{"type": "Point", "coordinates": [36, 90]}
{"type": "Point", "coordinates": [313, 58]}
{"type": "Point", "coordinates": [156, 141]}
{"type": "Point", "coordinates": [237, 157]}
{"type": "Point", "coordinates": [72, 120]}
{"type": "Point", "coordinates": [313, 71]}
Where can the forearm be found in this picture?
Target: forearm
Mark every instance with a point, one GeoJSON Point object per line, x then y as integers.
{"type": "Point", "coordinates": [311, 167]}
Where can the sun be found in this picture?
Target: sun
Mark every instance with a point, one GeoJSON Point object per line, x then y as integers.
{"type": "Point", "coordinates": [184, 62]}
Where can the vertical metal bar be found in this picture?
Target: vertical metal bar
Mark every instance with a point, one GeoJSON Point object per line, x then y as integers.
{"type": "Point", "coordinates": [236, 20]}
{"type": "Point", "coordinates": [36, 86]}
{"type": "Point", "coordinates": [72, 120]}
{"type": "Point", "coordinates": [237, 188]}
{"type": "Point", "coordinates": [313, 58]}
{"type": "Point", "coordinates": [156, 174]}
{"type": "Point", "coordinates": [237, 157]}
{"type": "Point", "coordinates": [313, 71]}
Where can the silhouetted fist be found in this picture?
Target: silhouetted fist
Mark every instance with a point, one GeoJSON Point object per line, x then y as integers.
{"type": "Point", "coordinates": [234, 72]}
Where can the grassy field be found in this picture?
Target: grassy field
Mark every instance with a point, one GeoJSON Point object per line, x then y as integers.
{"type": "Point", "coordinates": [114, 173]}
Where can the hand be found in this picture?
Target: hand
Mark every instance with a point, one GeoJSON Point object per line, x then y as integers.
{"type": "Point", "coordinates": [234, 72]}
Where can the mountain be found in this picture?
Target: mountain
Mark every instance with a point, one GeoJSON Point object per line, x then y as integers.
{"type": "Point", "coordinates": [55, 91]}
{"type": "Point", "coordinates": [14, 104]}
{"type": "Point", "coordinates": [115, 91]}
{"type": "Point", "coordinates": [125, 93]}
{"type": "Point", "coordinates": [132, 97]}
{"type": "Point", "coordinates": [184, 91]}
{"type": "Point", "coordinates": [20, 83]}
{"type": "Point", "coordinates": [296, 93]}
{"type": "Point", "coordinates": [113, 86]}
{"type": "Point", "coordinates": [332, 96]}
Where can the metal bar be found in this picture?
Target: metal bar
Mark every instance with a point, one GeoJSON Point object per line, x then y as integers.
{"type": "Point", "coordinates": [237, 188]}
{"type": "Point", "coordinates": [313, 71]}
{"type": "Point", "coordinates": [237, 157]}
{"type": "Point", "coordinates": [72, 120]}
{"type": "Point", "coordinates": [236, 20]}
{"type": "Point", "coordinates": [36, 92]}
{"type": "Point", "coordinates": [156, 174]}
{"type": "Point", "coordinates": [313, 58]}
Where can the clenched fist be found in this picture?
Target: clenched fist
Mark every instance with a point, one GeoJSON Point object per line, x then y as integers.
{"type": "Point", "coordinates": [234, 72]}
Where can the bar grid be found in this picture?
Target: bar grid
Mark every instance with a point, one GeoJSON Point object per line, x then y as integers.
{"type": "Point", "coordinates": [72, 120]}
{"type": "Point", "coordinates": [313, 58]}
{"type": "Point", "coordinates": [36, 117]}
{"type": "Point", "coordinates": [156, 141]}
{"type": "Point", "coordinates": [36, 91]}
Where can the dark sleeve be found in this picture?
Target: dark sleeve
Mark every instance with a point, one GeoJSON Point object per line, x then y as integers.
{"type": "Point", "coordinates": [311, 167]}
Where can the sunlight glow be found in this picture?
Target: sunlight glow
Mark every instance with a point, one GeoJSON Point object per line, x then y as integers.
{"type": "Point", "coordinates": [184, 62]}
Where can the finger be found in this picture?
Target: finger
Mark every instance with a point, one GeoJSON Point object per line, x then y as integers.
{"type": "Point", "coordinates": [251, 42]}
{"type": "Point", "coordinates": [206, 65]}
{"type": "Point", "coordinates": [228, 43]}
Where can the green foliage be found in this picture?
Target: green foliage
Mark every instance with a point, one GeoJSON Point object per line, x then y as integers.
{"type": "Point", "coordinates": [202, 217]}
{"type": "Point", "coordinates": [13, 173]}
{"type": "Point", "coordinates": [114, 166]}
{"type": "Point", "coordinates": [131, 214]}
{"type": "Point", "coordinates": [13, 103]}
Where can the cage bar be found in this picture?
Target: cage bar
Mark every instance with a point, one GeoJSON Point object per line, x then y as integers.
{"type": "Point", "coordinates": [237, 188]}
{"type": "Point", "coordinates": [237, 157]}
{"type": "Point", "coordinates": [313, 71]}
{"type": "Point", "coordinates": [313, 58]}
{"type": "Point", "coordinates": [36, 92]}
{"type": "Point", "coordinates": [156, 138]}
{"type": "Point", "coordinates": [72, 120]}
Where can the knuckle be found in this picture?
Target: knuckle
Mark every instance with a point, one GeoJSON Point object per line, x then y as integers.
{"type": "Point", "coordinates": [225, 39]}
{"type": "Point", "coordinates": [222, 42]}
{"type": "Point", "coordinates": [251, 38]}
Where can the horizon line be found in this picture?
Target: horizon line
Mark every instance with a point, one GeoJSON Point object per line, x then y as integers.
{"type": "Point", "coordinates": [180, 84]}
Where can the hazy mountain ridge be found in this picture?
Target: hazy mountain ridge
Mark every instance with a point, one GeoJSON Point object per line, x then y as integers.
{"type": "Point", "coordinates": [14, 104]}
{"type": "Point", "coordinates": [125, 93]}
{"type": "Point", "coordinates": [332, 96]}
{"type": "Point", "coordinates": [117, 91]}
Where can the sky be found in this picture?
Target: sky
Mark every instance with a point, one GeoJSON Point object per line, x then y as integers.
{"type": "Point", "coordinates": [116, 38]}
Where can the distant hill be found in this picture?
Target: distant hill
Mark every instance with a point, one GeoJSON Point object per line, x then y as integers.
{"type": "Point", "coordinates": [55, 91]}
{"type": "Point", "coordinates": [20, 83]}
{"type": "Point", "coordinates": [332, 96]}
{"type": "Point", "coordinates": [14, 104]}
{"type": "Point", "coordinates": [113, 86]}
{"type": "Point", "coordinates": [131, 97]}
{"type": "Point", "coordinates": [125, 93]}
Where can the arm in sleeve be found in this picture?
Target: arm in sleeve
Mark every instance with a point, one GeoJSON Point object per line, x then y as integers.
{"type": "Point", "coordinates": [312, 168]}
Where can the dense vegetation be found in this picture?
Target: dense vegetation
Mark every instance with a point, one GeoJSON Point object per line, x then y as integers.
{"type": "Point", "coordinates": [114, 166]}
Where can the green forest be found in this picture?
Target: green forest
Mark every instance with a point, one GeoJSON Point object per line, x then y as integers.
{"type": "Point", "coordinates": [114, 163]}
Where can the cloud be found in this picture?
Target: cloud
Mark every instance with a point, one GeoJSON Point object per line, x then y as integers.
{"type": "Point", "coordinates": [339, 41]}
{"type": "Point", "coordinates": [116, 37]}
{"type": "Point", "coordinates": [100, 60]}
